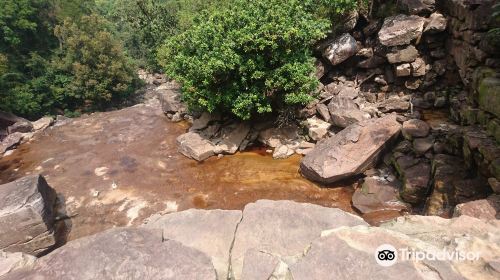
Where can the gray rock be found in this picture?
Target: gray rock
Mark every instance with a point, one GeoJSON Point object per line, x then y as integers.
{"type": "Point", "coordinates": [401, 30]}
{"type": "Point", "coordinates": [416, 7]}
{"type": "Point", "coordinates": [484, 209]}
{"type": "Point", "coordinates": [344, 112]}
{"type": "Point", "coordinates": [282, 229]}
{"type": "Point", "coordinates": [349, 253]}
{"type": "Point", "coordinates": [408, 54]}
{"type": "Point", "coordinates": [437, 23]}
{"type": "Point", "coordinates": [416, 181]}
{"type": "Point", "coordinates": [422, 145]}
{"type": "Point", "coordinates": [283, 151]}
{"type": "Point", "coordinates": [323, 111]}
{"type": "Point", "coordinates": [122, 253]}
{"type": "Point", "coordinates": [27, 215]}
{"type": "Point", "coordinates": [13, 261]}
{"type": "Point", "coordinates": [463, 234]}
{"type": "Point", "coordinates": [195, 146]}
{"type": "Point", "coordinates": [377, 194]}
{"type": "Point", "coordinates": [350, 152]}
{"type": "Point", "coordinates": [20, 126]}
{"type": "Point", "coordinates": [275, 137]}
{"type": "Point", "coordinates": [259, 265]}
{"type": "Point", "coordinates": [170, 100]}
{"type": "Point", "coordinates": [209, 231]}
{"type": "Point", "coordinates": [418, 67]}
{"type": "Point", "coordinates": [340, 49]}
{"type": "Point", "coordinates": [393, 104]}
{"type": "Point", "coordinates": [204, 120]}
{"type": "Point", "coordinates": [415, 128]}
{"type": "Point", "coordinates": [317, 129]}
{"type": "Point", "coordinates": [231, 138]}
{"type": "Point", "coordinates": [403, 70]}
{"type": "Point", "coordinates": [10, 141]}
{"type": "Point", "coordinates": [43, 123]}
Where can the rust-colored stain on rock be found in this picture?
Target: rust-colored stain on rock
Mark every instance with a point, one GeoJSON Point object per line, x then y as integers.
{"type": "Point", "coordinates": [117, 168]}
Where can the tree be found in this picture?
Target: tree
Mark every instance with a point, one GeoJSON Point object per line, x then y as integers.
{"type": "Point", "coordinates": [249, 57]}
{"type": "Point", "coordinates": [90, 70]}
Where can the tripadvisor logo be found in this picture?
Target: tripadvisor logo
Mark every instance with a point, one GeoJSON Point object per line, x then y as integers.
{"type": "Point", "coordinates": [387, 255]}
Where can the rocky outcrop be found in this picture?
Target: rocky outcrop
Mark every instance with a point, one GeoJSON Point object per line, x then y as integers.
{"type": "Point", "coordinates": [10, 262]}
{"type": "Point", "coordinates": [378, 194]}
{"type": "Point", "coordinates": [27, 216]}
{"type": "Point", "coordinates": [209, 231]}
{"type": "Point", "coordinates": [484, 209]}
{"type": "Point", "coordinates": [351, 151]}
{"type": "Point", "coordinates": [401, 30]}
{"type": "Point", "coordinates": [275, 233]}
{"type": "Point", "coordinates": [121, 253]}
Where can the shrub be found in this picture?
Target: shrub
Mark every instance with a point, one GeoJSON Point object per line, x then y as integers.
{"type": "Point", "coordinates": [90, 70]}
{"type": "Point", "coordinates": [250, 57]}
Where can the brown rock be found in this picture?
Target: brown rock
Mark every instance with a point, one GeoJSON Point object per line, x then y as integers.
{"type": "Point", "coordinates": [350, 152]}
{"type": "Point", "coordinates": [415, 128]}
{"type": "Point", "coordinates": [403, 70]}
{"type": "Point", "coordinates": [401, 30]}
{"type": "Point", "coordinates": [437, 23]}
{"type": "Point", "coordinates": [484, 209]}
{"type": "Point", "coordinates": [377, 194]}
{"type": "Point", "coordinates": [408, 54]}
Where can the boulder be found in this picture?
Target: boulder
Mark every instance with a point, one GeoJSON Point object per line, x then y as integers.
{"type": "Point", "coordinates": [282, 230]}
{"type": "Point", "coordinates": [415, 128]}
{"type": "Point", "coordinates": [231, 138]}
{"type": "Point", "coordinates": [317, 129]}
{"type": "Point", "coordinates": [437, 23]}
{"type": "Point", "coordinates": [14, 261]}
{"type": "Point", "coordinates": [27, 215]}
{"type": "Point", "coordinates": [21, 126]}
{"type": "Point", "coordinates": [204, 120]}
{"type": "Point", "coordinates": [417, 7]}
{"type": "Point", "coordinates": [378, 194]}
{"type": "Point", "coordinates": [408, 54]}
{"type": "Point", "coordinates": [484, 209]}
{"type": "Point", "coordinates": [323, 111]}
{"type": "Point", "coordinates": [344, 112]}
{"type": "Point", "coordinates": [275, 137]}
{"type": "Point", "coordinates": [284, 151]}
{"type": "Point", "coordinates": [422, 145]}
{"type": "Point", "coordinates": [195, 146]}
{"type": "Point", "coordinates": [372, 62]}
{"type": "Point", "coordinates": [350, 152]}
{"type": "Point", "coordinates": [416, 179]}
{"type": "Point", "coordinates": [209, 231]}
{"type": "Point", "coordinates": [43, 123]}
{"type": "Point", "coordinates": [10, 141]}
{"type": "Point", "coordinates": [401, 30]}
{"type": "Point", "coordinates": [418, 67]}
{"type": "Point", "coordinates": [340, 49]}
{"type": "Point", "coordinates": [403, 70]}
{"type": "Point", "coordinates": [320, 69]}
{"type": "Point", "coordinates": [121, 253]}
{"type": "Point", "coordinates": [8, 119]}
{"type": "Point", "coordinates": [393, 104]}
{"type": "Point", "coordinates": [170, 99]}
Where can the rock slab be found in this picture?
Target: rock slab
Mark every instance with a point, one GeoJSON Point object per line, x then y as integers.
{"type": "Point", "coordinates": [121, 253]}
{"type": "Point", "coordinates": [27, 215]}
{"type": "Point", "coordinates": [209, 231]}
{"type": "Point", "coordinates": [350, 152]}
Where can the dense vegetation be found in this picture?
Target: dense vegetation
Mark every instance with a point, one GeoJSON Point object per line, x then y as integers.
{"type": "Point", "coordinates": [251, 56]}
{"type": "Point", "coordinates": [239, 56]}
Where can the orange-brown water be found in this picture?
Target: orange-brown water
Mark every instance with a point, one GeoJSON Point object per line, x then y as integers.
{"type": "Point", "coordinates": [130, 158]}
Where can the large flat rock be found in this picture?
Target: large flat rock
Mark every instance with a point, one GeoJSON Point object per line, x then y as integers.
{"type": "Point", "coordinates": [10, 262]}
{"type": "Point", "coordinates": [351, 151]}
{"type": "Point", "coordinates": [278, 232]}
{"type": "Point", "coordinates": [401, 30]}
{"type": "Point", "coordinates": [121, 253]}
{"type": "Point", "coordinates": [210, 231]}
{"type": "Point", "coordinates": [26, 215]}
{"type": "Point", "coordinates": [349, 253]}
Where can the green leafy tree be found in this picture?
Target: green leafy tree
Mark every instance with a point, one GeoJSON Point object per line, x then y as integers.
{"type": "Point", "coordinates": [90, 70]}
{"type": "Point", "coordinates": [251, 56]}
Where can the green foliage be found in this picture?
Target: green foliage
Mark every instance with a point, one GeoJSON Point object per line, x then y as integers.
{"type": "Point", "coordinates": [493, 35]}
{"type": "Point", "coordinates": [90, 70]}
{"type": "Point", "coordinates": [250, 57]}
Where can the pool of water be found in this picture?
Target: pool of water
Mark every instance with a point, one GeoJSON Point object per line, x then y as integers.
{"type": "Point", "coordinates": [117, 168]}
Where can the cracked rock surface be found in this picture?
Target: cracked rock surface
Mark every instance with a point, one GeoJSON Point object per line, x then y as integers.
{"type": "Point", "coordinates": [27, 215]}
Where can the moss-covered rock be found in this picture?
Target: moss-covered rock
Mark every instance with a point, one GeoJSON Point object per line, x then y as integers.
{"type": "Point", "coordinates": [489, 95]}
